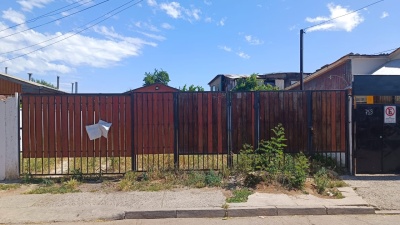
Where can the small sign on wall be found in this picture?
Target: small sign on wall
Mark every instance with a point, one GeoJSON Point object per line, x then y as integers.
{"type": "Point", "coordinates": [390, 114]}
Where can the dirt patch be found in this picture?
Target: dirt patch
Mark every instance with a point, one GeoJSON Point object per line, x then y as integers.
{"type": "Point", "coordinates": [18, 191]}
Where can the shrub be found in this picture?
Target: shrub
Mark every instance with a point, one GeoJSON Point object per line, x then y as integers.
{"type": "Point", "coordinates": [212, 179]}
{"type": "Point", "coordinates": [271, 151]}
{"type": "Point", "coordinates": [321, 180]}
{"type": "Point", "coordinates": [252, 180]}
{"type": "Point", "coordinates": [246, 159]}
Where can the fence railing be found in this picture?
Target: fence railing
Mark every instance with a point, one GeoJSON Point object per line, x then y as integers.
{"type": "Point", "coordinates": [188, 130]}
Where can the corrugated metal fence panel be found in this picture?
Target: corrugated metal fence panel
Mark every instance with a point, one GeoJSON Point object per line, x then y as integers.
{"type": "Point", "coordinates": [55, 126]}
{"type": "Point", "coordinates": [202, 123]}
{"type": "Point", "coordinates": [289, 109]}
{"type": "Point", "coordinates": [9, 88]}
{"type": "Point", "coordinates": [153, 123]}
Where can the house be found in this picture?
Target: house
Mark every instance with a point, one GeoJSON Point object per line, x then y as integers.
{"type": "Point", "coordinates": [156, 87]}
{"type": "Point", "coordinates": [226, 82]}
{"type": "Point", "coordinates": [9, 85]}
{"type": "Point", "coordinates": [340, 74]}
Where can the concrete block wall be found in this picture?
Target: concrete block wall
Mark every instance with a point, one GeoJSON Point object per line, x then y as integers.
{"type": "Point", "coordinates": [9, 168]}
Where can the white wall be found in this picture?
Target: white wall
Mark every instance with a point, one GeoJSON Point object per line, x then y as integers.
{"type": "Point", "coordinates": [9, 139]}
{"type": "Point", "coordinates": [364, 66]}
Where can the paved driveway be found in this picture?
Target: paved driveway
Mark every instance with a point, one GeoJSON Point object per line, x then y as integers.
{"type": "Point", "coordinates": [382, 191]}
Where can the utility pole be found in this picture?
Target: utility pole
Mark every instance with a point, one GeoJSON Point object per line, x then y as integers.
{"type": "Point", "coordinates": [301, 60]}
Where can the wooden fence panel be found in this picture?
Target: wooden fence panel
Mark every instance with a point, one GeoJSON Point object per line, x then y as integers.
{"type": "Point", "coordinates": [202, 123]}
{"type": "Point", "coordinates": [288, 109]}
{"type": "Point", "coordinates": [243, 123]}
{"type": "Point", "coordinates": [153, 123]}
{"type": "Point", "coordinates": [55, 125]}
{"type": "Point", "coordinates": [329, 121]}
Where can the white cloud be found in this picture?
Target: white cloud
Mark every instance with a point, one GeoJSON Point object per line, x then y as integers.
{"type": "Point", "coordinates": [222, 22]}
{"type": "Point", "coordinates": [13, 16]}
{"type": "Point", "coordinates": [73, 52]}
{"type": "Point", "coordinates": [225, 48]}
{"type": "Point", "coordinates": [208, 20]}
{"type": "Point", "coordinates": [207, 2]}
{"type": "Point", "coordinates": [347, 23]}
{"type": "Point", "coordinates": [243, 55]}
{"type": "Point", "coordinates": [253, 40]}
{"type": "Point", "coordinates": [153, 36]}
{"type": "Point", "coordinates": [152, 3]}
{"type": "Point", "coordinates": [167, 26]}
{"type": "Point", "coordinates": [28, 5]}
{"type": "Point", "coordinates": [384, 15]}
{"type": "Point", "coordinates": [146, 26]}
{"type": "Point", "coordinates": [195, 13]}
{"type": "Point", "coordinates": [173, 9]}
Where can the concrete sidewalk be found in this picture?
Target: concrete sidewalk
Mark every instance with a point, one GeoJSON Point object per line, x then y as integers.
{"type": "Point", "coordinates": [179, 203]}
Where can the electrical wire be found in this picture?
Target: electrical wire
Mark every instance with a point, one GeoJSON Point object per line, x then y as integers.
{"type": "Point", "coordinates": [390, 50]}
{"type": "Point", "coordinates": [76, 33]}
{"type": "Point", "coordinates": [16, 50]}
{"type": "Point", "coordinates": [55, 19]}
{"type": "Point", "coordinates": [343, 15]}
{"type": "Point", "coordinates": [52, 13]}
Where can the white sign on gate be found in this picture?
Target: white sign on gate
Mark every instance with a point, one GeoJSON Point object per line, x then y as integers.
{"type": "Point", "coordinates": [390, 114]}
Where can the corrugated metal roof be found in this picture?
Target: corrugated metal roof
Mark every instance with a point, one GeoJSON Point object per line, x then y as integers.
{"type": "Point", "coordinates": [27, 82]}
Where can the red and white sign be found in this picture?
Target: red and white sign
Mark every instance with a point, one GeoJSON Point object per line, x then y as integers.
{"type": "Point", "coordinates": [390, 114]}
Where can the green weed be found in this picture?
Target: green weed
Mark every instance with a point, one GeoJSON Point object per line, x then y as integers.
{"type": "Point", "coordinates": [240, 195]}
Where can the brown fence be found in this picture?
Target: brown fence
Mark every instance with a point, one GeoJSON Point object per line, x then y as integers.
{"type": "Point", "coordinates": [191, 130]}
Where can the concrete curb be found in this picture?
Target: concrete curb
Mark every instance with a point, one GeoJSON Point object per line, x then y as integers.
{"type": "Point", "coordinates": [388, 212]}
{"type": "Point", "coordinates": [249, 212]}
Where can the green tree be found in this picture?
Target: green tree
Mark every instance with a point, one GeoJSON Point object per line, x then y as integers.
{"type": "Point", "coordinates": [43, 82]}
{"type": "Point", "coordinates": [192, 88]}
{"type": "Point", "coordinates": [156, 77]}
{"type": "Point", "coordinates": [253, 84]}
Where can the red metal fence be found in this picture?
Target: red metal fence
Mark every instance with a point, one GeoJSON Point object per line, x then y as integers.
{"type": "Point", "coordinates": [147, 126]}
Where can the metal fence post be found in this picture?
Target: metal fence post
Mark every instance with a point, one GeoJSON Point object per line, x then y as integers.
{"type": "Point", "coordinates": [348, 128]}
{"type": "Point", "coordinates": [229, 128]}
{"type": "Point", "coordinates": [256, 119]}
{"type": "Point", "coordinates": [133, 156]}
{"type": "Point", "coordinates": [309, 123]}
{"type": "Point", "coordinates": [176, 130]}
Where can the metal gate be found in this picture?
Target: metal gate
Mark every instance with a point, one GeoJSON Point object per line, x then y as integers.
{"type": "Point", "coordinates": [377, 144]}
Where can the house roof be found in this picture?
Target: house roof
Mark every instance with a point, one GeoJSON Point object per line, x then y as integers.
{"type": "Point", "coordinates": [18, 80]}
{"type": "Point", "coordinates": [278, 75]}
{"type": "Point", "coordinates": [390, 68]}
{"type": "Point", "coordinates": [229, 76]}
{"type": "Point", "coordinates": [343, 59]}
{"type": "Point", "coordinates": [160, 87]}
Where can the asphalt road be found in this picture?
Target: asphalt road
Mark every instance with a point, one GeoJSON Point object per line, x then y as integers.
{"type": "Point", "coordinates": [273, 220]}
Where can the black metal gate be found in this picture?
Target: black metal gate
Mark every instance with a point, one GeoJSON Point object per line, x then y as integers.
{"type": "Point", "coordinates": [377, 144]}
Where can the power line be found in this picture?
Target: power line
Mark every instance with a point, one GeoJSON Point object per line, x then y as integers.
{"type": "Point", "coordinates": [109, 16]}
{"type": "Point", "coordinates": [390, 50]}
{"type": "Point", "coordinates": [344, 15]}
{"type": "Point", "coordinates": [16, 50]}
{"type": "Point", "coordinates": [48, 14]}
{"type": "Point", "coordinates": [55, 20]}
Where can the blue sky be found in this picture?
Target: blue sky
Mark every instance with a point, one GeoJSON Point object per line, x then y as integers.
{"type": "Point", "coordinates": [193, 40]}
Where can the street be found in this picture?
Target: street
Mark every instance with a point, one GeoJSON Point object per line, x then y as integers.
{"type": "Point", "coordinates": [273, 220]}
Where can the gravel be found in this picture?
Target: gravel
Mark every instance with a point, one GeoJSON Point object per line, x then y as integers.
{"type": "Point", "coordinates": [381, 191]}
